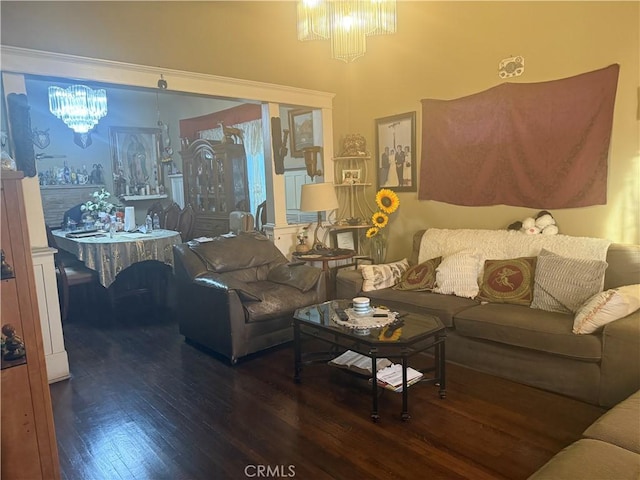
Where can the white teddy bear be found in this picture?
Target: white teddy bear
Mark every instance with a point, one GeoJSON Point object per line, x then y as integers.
{"type": "Point", "coordinates": [546, 223]}
{"type": "Point", "coordinates": [529, 226]}
{"type": "Point", "coordinates": [543, 223]}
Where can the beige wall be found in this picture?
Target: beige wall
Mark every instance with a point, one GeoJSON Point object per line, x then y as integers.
{"type": "Point", "coordinates": [442, 50]}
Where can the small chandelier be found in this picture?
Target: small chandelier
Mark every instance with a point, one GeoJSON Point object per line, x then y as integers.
{"type": "Point", "coordinates": [78, 106]}
{"type": "Point", "coordinates": [345, 23]}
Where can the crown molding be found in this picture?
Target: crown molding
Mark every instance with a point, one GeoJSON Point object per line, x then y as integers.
{"type": "Point", "coordinates": [37, 62]}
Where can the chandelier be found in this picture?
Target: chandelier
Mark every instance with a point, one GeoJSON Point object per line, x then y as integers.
{"type": "Point", "coordinates": [78, 106]}
{"type": "Point", "coordinates": [345, 23]}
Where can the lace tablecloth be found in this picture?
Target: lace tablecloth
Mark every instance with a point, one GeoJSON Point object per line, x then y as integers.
{"type": "Point", "coordinates": [109, 256]}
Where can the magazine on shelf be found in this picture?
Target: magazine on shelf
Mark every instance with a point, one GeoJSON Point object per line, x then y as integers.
{"type": "Point", "coordinates": [361, 364]}
{"type": "Point", "coordinates": [391, 377]}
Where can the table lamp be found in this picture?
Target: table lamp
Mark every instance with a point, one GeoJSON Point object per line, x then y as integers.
{"type": "Point", "coordinates": [318, 197]}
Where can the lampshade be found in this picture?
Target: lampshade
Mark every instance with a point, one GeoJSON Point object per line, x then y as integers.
{"type": "Point", "coordinates": [318, 197]}
{"type": "Point", "coordinates": [78, 106]}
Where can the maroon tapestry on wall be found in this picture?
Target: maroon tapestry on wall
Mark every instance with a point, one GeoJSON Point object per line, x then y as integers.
{"type": "Point", "coordinates": [539, 145]}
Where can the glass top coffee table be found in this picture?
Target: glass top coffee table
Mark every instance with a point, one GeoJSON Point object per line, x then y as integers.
{"type": "Point", "coordinates": [415, 333]}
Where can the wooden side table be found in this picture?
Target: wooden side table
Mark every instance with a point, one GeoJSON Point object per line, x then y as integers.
{"type": "Point", "coordinates": [324, 258]}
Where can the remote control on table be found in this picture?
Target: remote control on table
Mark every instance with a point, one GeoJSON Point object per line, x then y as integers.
{"type": "Point", "coordinates": [342, 315]}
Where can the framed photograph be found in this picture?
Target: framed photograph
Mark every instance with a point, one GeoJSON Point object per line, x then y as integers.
{"type": "Point", "coordinates": [351, 177]}
{"type": "Point", "coordinates": [135, 154]}
{"type": "Point", "coordinates": [301, 127]}
{"type": "Point", "coordinates": [345, 239]}
{"type": "Point", "coordinates": [396, 152]}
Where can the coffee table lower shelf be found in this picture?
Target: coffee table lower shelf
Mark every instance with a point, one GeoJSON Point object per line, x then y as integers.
{"type": "Point", "coordinates": [421, 333]}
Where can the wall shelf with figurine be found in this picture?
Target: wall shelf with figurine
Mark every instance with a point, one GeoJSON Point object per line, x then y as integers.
{"type": "Point", "coordinates": [350, 180]}
{"type": "Point", "coordinates": [133, 198]}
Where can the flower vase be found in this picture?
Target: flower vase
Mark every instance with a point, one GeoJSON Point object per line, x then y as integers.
{"type": "Point", "coordinates": [378, 249]}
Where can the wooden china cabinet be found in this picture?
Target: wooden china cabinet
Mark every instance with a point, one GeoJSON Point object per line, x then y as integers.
{"type": "Point", "coordinates": [215, 184]}
{"type": "Point", "coordinates": [28, 436]}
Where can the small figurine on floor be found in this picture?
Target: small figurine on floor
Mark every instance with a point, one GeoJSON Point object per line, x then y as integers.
{"type": "Point", "coordinates": [13, 344]}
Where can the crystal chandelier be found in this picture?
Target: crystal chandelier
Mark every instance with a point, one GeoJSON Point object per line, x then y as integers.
{"type": "Point", "coordinates": [78, 106]}
{"type": "Point", "coordinates": [345, 23]}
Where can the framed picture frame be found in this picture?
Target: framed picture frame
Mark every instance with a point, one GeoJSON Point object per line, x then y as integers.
{"type": "Point", "coordinates": [345, 238]}
{"type": "Point", "coordinates": [135, 152]}
{"type": "Point", "coordinates": [396, 152]}
{"type": "Point", "coordinates": [351, 176]}
{"type": "Point", "coordinates": [301, 128]}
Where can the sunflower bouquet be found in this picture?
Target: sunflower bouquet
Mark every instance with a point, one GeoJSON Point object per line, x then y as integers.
{"type": "Point", "coordinates": [387, 202]}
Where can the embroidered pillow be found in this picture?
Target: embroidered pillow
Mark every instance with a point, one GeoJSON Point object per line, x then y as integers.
{"type": "Point", "coordinates": [420, 277]}
{"type": "Point", "coordinates": [458, 274]}
{"type": "Point", "coordinates": [564, 284]}
{"type": "Point", "coordinates": [381, 276]}
{"type": "Point", "coordinates": [508, 281]}
{"type": "Point", "coordinates": [605, 307]}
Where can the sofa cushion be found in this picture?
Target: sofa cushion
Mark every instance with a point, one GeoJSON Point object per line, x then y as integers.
{"type": "Point", "coordinates": [457, 274]}
{"type": "Point", "coordinates": [302, 277]}
{"type": "Point", "coordinates": [277, 300]}
{"type": "Point", "coordinates": [589, 459]}
{"type": "Point", "coordinates": [382, 275]}
{"type": "Point", "coordinates": [563, 284]}
{"type": "Point", "coordinates": [508, 281]}
{"type": "Point", "coordinates": [443, 306]}
{"type": "Point", "coordinates": [605, 307]}
{"type": "Point", "coordinates": [620, 425]}
{"type": "Point", "coordinates": [419, 277]}
{"type": "Point", "coordinates": [528, 328]}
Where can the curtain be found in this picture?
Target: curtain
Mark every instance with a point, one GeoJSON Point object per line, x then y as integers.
{"type": "Point", "coordinates": [539, 145]}
{"type": "Point", "coordinates": [254, 149]}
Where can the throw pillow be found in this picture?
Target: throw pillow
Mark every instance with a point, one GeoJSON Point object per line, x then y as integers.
{"type": "Point", "coordinates": [605, 307]}
{"type": "Point", "coordinates": [381, 276]}
{"type": "Point", "coordinates": [420, 277]}
{"type": "Point", "coordinates": [458, 274]}
{"type": "Point", "coordinates": [564, 284]}
{"type": "Point", "coordinates": [508, 281]}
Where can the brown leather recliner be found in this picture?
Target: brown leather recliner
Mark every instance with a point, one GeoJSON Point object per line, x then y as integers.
{"type": "Point", "coordinates": [237, 295]}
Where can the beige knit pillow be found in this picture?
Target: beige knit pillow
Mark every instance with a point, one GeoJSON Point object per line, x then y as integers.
{"type": "Point", "coordinates": [564, 284]}
{"type": "Point", "coordinates": [381, 276]}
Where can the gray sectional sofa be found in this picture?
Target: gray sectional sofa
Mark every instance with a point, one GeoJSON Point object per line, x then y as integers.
{"type": "Point", "coordinates": [528, 345]}
{"type": "Point", "coordinates": [609, 449]}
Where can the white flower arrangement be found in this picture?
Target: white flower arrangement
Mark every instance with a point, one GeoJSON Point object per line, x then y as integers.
{"type": "Point", "coordinates": [100, 203]}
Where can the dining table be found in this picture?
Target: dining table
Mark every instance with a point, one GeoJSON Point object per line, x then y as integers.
{"type": "Point", "coordinates": [111, 253]}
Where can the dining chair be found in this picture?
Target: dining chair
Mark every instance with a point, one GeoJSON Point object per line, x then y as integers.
{"type": "Point", "coordinates": [171, 216]}
{"type": "Point", "coordinates": [70, 273]}
{"type": "Point", "coordinates": [186, 222]}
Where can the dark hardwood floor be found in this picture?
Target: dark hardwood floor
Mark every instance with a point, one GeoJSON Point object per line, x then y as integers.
{"type": "Point", "coordinates": [143, 404]}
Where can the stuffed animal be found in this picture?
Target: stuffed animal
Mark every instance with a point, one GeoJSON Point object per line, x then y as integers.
{"type": "Point", "coordinates": [546, 223]}
{"type": "Point", "coordinates": [543, 223]}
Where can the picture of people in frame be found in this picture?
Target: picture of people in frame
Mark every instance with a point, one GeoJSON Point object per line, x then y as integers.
{"type": "Point", "coordinates": [350, 177]}
{"type": "Point", "coordinates": [395, 136]}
